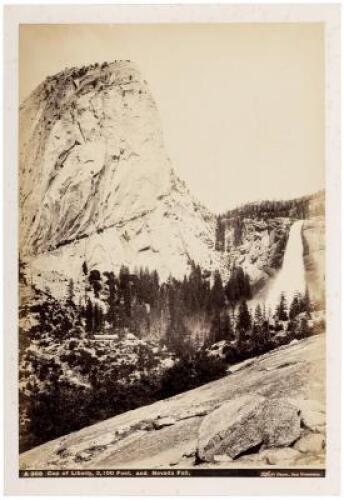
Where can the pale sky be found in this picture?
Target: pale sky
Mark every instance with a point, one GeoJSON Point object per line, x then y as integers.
{"type": "Point", "coordinates": [241, 105]}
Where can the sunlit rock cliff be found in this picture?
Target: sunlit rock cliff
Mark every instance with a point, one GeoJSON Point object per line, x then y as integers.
{"type": "Point", "coordinates": [96, 182]}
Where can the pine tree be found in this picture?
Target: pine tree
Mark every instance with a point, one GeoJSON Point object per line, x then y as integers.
{"type": "Point", "coordinates": [247, 287]}
{"type": "Point", "coordinates": [221, 327]}
{"type": "Point", "coordinates": [258, 315]}
{"type": "Point", "coordinates": [220, 235]}
{"type": "Point", "coordinates": [89, 316]}
{"type": "Point", "coordinates": [84, 268]}
{"type": "Point", "coordinates": [112, 313]}
{"type": "Point", "coordinates": [244, 317]}
{"type": "Point", "coordinates": [241, 282]}
{"type": "Point", "coordinates": [304, 329]}
{"type": "Point", "coordinates": [94, 279]}
{"type": "Point", "coordinates": [155, 287]}
{"type": "Point", "coordinates": [266, 334]}
{"type": "Point", "coordinates": [255, 338]}
{"type": "Point", "coordinates": [238, 286]}
{"type": "Point", "coordinates": [85, 273]}
{"type": "Point", "coordinates": [238, 231]}
{"type": "Point", "coordinates": [171, 314]}
{"type": "Point", "coordinates": [97, 317]}
{"type": "Point", "coordinates": [226, 327]}
{"type": "Point", "coordinates": [281, 310]}
{"type": "Point", "coordinates": [231, 294]}
{"type": "Point", "coordinates": [125, 290]}
{"type": "Point", "coordinates": [217, 292]}
{"type": "Point", "coordinates": [100, 319]}
{"type": "Point", "coordinates": [70, 292]}
{"type": "Point", "coordinates": [306, 302]}
{"type": "Point", "coordinates": [294, 308]}
{"type": "Point", "coordinates": [216, 332]}
{"type": "Point", "coordinates": [177, 335]}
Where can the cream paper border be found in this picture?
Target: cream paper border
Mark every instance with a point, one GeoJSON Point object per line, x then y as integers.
{"type": "Point", "coordinates": [329, 14]}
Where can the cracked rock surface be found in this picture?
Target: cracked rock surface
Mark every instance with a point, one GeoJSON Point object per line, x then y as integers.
{"type": "Point", "coordinates": [97, 183]}
{"type": "Point", "coordinates": [288, 429]}
{"type": "Point", "coordinates": [246, 423]}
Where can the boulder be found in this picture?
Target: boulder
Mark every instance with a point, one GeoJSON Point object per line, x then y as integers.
{"type": "Point", "coordinates": [313, 414]}
{"type": "Point", "coordinates": [190, 450]}
{"type": "Point", "coordinates": [311, 443]}
{"type": "Point", "coordinates": [163, 422]}
{"type": "Point", "coordinates": [83, 456]}
{"type": "Point", "coordinates": [146, 425]}
{"type": "Point", "coordinates": [219, 427]}
{"type": "Point", "coordinates": [62, 451]}
{"type": "Point", "coordinates": [104, 440]}
{"type": "Point", "coordinates": [245, 424]}
{"type": "Point", "coordinates": [280, 456]}
{"type": "Point", "coordinates": [281, 421]}
{"type": "Point", "coordinates": [122, 431]}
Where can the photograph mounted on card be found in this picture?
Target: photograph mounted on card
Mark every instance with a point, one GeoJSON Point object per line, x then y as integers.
{"type": "Point", "coordinates": [175, 298]}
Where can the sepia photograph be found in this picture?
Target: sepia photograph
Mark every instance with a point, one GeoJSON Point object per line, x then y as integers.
{"type": "Point", "coordinates": [172, 313]}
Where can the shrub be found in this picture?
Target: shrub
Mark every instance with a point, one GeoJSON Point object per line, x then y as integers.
{"type": "Point", "coordinates": [191, 372]}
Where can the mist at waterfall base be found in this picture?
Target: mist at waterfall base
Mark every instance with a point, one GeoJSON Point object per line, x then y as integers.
{"type": "Point", "coordinates": [290, 280]}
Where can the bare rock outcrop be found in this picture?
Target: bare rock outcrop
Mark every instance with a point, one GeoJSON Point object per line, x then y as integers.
{"type": "Point", "coordinates": [281, 400]}
{"type": "Point", "coordinates": [311, 443]}
{"type": "Point", "coordinates": [313, 235]}
{"type": "Point", "coordinates": [248, 423]}
{"type": "Point", "coordinates": [97, 184]}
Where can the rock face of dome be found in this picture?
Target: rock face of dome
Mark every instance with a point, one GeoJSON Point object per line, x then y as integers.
{"type": "Point", "coordinates": [96, 183]}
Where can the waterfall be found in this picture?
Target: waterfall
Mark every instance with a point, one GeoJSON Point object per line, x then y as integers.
{"type": "Point", "coordinates": [291, 278]}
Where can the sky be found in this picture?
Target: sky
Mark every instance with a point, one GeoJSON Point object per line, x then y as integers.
{"type": "Point", "coordinates": [241, 105]}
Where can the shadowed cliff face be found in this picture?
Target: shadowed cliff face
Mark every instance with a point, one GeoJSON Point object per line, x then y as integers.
{"type": "Point", "coordinates": [96, 182]}
{"type": "Point", "coordinates": [313, 236]}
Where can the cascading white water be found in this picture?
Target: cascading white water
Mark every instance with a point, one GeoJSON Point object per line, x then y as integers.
{"type": "Point", "coordinates": [290, 280]}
